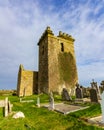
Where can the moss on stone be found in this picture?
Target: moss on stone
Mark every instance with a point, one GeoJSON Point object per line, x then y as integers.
{"type": "Point", "coordinates": [67, 67]}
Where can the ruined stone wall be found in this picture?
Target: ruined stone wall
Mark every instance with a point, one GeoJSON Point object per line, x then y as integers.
{"type": "Point", "coordinates": [27, 82]}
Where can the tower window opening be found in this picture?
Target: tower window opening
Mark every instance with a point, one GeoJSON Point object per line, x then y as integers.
{"type": "Point", "coordinates": [62, 47]}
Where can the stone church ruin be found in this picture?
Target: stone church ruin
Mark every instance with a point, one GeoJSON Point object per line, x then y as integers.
{"type": "Point", "coordinates": [57, 66]}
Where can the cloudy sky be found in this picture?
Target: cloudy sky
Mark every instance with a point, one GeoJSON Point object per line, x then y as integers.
{"type": "Point", "coordinates": [22, 22]}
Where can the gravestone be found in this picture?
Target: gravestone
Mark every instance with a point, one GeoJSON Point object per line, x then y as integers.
{"type": "Point", "coordinates": [7, 106]}
{"type": "Point", "coordinates": [79, 94]}
{"type": "Point", "coordinates": [84, 91]}
{"type": "Point", "coordinates": [10, 107]}
{"type": "Point", "coordinates": [51, 102]}
{"type": "Point", "coordinates": [38, 102]}
{"type": "Point", "coordinates": [94, 85]}
{"type": "Point", "coordinates": [65, 95]}
{"type": "Point", "coordinates": [102, 106]}
{"type": "Point", "coordinates": [93, 95]}
{"type": "Point", "coordinates": [101, 87]}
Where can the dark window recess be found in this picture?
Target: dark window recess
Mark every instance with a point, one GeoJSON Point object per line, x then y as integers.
{"type": "Point", "coordinates": [62, 47]}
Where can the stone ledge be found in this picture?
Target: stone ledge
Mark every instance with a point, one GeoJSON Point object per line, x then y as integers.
{"type": "Point", "coordinates": [96, 121]}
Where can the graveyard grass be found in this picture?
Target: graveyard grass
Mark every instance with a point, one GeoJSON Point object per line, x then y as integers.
{"type": "Point", "coordinates": [43, 119]}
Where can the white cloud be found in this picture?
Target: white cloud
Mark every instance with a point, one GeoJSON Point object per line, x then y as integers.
{"type": "Point", "coordinates": [22, 24]}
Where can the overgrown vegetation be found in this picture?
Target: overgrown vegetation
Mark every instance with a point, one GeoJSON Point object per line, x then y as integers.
{"type": "Point", "coordinates": [43, 119]}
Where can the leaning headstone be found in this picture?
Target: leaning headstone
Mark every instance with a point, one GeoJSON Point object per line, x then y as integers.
{"type": "Point", "coordinates": [93, 95]}
{"type": "Point", "coordinates": [79, 94]}
{"type": "Point", "coordinates": [65, 95]}
{"type": "Point", "coordinates": [51, 102]}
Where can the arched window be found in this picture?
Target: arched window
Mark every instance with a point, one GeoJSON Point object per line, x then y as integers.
{"type": "Point", "coordinates": [62, 47]}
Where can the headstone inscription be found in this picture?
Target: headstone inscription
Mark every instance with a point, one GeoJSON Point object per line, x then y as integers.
{"type": "Point", "coordinates": [65, 95]}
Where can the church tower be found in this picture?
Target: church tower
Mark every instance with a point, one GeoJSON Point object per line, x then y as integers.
{"type": "Point", "coordinates": [57, 62]}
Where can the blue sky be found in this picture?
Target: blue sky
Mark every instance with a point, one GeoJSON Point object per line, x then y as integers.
{"type": "Point", "coordinates": [22, 22]}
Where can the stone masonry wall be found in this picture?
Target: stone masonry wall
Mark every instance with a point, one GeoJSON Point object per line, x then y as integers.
{"type": "Point", "coordinates": [57, 66]}
{"type": "Point", "coordinates": [27, 82]}
{"type": "Point", "coordinates": [57, 62]}
{"type": "Point", "coordinates": [62, 64]}
{"type": "Point", "coordinates": [43, 66]}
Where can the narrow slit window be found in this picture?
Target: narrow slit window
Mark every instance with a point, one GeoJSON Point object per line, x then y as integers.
{"type": "Point", "coordinates": [62, 47]}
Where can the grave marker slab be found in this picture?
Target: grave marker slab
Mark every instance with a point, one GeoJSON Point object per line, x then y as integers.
{"type": "Point", "coordinates": [79, 93]}
{"type": "Point", "coordinates": [65, 95]}
{"type": "Point", "coordinates": [93, 95]}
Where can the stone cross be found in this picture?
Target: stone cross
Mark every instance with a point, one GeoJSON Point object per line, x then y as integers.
{"type": "Point", "coordinates": [94, 85]}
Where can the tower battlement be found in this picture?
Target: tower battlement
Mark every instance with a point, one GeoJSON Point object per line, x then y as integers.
{"type": "Point", "coordinates": [47, 31]}
{"type": "Point", "coordinates": [66, 36]}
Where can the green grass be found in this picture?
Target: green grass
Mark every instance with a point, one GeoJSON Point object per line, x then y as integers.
{"type": "Point", "coordinates": [43, 119]}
